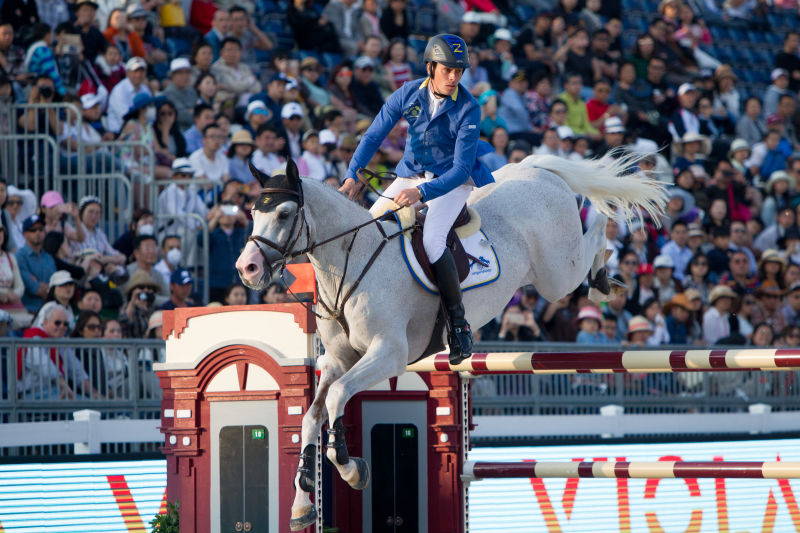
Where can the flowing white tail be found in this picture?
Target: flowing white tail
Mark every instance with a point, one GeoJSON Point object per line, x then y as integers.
{"type": "Point", "coordinates": [606, 184]}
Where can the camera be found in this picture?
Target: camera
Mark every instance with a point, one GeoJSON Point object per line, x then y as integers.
{"type": "Point", "coordinates": [229, 210]}
{"type": "Point", "coordinates": [148, 297]}
{"type": "Point", "coordinates": [46, 92]}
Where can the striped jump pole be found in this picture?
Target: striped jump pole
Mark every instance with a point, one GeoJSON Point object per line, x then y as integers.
{"type": "Point", "coordinates": [474, 471]}
{"type": "Point", "coordinates": [616, 362]}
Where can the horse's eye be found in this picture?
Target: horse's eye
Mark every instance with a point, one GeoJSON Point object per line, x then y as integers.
{"type": "Point", "coordinates": [283, 215]}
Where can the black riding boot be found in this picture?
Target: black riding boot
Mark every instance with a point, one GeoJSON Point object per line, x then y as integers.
{"type": "Point", "coordinates": [459, 337]}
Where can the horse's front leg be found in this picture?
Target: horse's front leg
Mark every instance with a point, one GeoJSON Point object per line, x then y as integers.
{"type": "Point", "coordinates": [304, 512]}
{"type": "Point", "coordinates": [385, 358]}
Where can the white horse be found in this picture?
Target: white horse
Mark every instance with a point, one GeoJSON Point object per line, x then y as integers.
{"type": "Point", "coordinates": [531, 217]}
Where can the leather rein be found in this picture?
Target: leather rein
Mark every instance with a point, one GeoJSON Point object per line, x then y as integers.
{"type": "Point", "coordinates": [336, 311]}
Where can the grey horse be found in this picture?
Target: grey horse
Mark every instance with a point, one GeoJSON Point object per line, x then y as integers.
{"type": "Point", "coordinates": [387, 319]}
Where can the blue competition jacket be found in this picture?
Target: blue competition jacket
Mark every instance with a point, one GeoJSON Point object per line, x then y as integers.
{"type": "Point", "coordinates": [448, 145]}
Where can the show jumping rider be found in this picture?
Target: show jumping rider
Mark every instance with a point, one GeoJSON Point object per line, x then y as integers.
{"type": "Point", "coordinates": [439, 167]}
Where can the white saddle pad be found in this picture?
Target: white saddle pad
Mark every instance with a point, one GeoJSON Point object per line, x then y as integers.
{"type": "Point", "coordinates": [476, 245]}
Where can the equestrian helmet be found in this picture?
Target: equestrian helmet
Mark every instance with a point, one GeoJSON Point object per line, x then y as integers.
{"type": "Point", "coordinates": [447, 49]}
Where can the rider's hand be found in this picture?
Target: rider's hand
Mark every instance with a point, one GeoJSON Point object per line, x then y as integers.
{"type": "Point", "coordinates": [349, 187]}
{"type": "Point", "coordinates": [408, 196]}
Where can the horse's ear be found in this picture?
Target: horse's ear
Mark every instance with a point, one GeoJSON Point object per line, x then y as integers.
{"type": "Point", "coordinates": [257, 174]}
{"type": "Point", "coordinates": [292, 175]}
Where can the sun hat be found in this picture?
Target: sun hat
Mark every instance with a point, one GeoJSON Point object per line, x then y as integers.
{"type": "Point", "coordinates": [738, 144]}
{"type": "Point", "coordinates": [60, 277]}
{"type": "Point", "coordinates": [679, 300]}
{"type": "Point", "coordinates": [696, 230]}
{"type": "Point", "coordinates": [692, 295]}
{"type": "Point", "coordinates": [721, 291]}
{"type": "Point", "coordinates": [182, 165]}
{"type": "Point", "coordinates": [688, 137]}
{"type": "Point", "coordinates": [51, 199]}
{"type": "Point", "coordinates": [771, 255]}
{"type": "Point", "coordinates": [637, 324]}
{"type": "Point", "coordinates": [140, 101]}
{"type": "Point", "coordinates": [140, 278]}
{"type": "Point", "coordinates": [614, 125]}
{"type": "Point", "coordinates": [242, 137]}
{"type": "Point", "coordinates": [775, 177]}
{"type": "Point", "coordinates": [724, 71]}
{"type": "Point", "coordinates": [589, 312]}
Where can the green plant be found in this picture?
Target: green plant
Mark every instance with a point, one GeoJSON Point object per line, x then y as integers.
{"type": "Point", "coordinates": [167, 522]}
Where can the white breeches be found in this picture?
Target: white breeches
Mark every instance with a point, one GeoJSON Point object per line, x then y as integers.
{"type": "Point", "coordinates": [442, 212]}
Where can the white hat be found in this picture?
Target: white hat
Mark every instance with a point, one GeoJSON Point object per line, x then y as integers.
{"type": "Point", "coordinates": [663, 261]}
{"type": "Point", "coordinates": [291, 109]}
{"type": "Point", "coordinates": [326, 136]}
{"type": "Point", "coordinates": [614, 125]}
{"type": "Point", "coordinates": [89, 100]}
{"type": "Point", "coordinates": [565, 132]}
{"type": "Point", "coordinates": [135, 63]}
{"type": "Point", "coordinates": [685, 88]}
{"type": "Point", "coordinates": [252, 107]}
{"type": "Point", "coordinates": [777, 73]}
{"type": "Point", "coordinates": [179, 63]}
{"type": "Point", "coordinates": [291, 84]}
{"type": "Point", "coordinates": [364, 62]}
{"type": "Point", "coordinates": [502, 34]}
{"type": "Point", "coordinates": [471, 17]}
{"type": "Point", "coordinates": [182, 165]}
{"type": "Point", "coordinates": [60, 277]}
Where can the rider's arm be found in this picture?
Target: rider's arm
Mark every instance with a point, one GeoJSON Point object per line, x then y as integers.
{"type": "Point", "coordinates": [463, 158]}
{"type": "Point", "coordinates": [388, 116]}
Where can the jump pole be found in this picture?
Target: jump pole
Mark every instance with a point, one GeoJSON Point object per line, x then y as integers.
{"type": "Point", "coordinates": [616, 362]}
{"type": "Point", "coordinates": [474, 471]}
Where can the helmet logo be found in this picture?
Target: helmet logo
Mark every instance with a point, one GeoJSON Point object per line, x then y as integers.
{"type": "Point", "coordinates": [455, 45]}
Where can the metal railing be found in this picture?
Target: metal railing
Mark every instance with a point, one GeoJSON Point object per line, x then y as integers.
{"type": "Point", "coordinates": [47, 380]}
{"type": "Point", "coordinates": [195, 251]}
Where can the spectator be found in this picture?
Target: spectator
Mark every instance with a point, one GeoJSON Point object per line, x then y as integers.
{"type": "Point", "coordinates": [771, 268]}
{"type": "Point", "coordinates": [169, 141]}
{"type": "Point", "coordinates": [226, 223]}
{"type": "Point", "coordinates": [396, 63]}
{"type": "Point", "coordinates": [46, 373]}
{"type": "Point", "coordinates": [171, 256]}
{"type": "Point", "coordinates": [311, 163]}
{"type": "Point", "coordinates": [788, 59]}
{"type": "Point", "coordinates": [89, 325]}
{"type": "Point", "coordinates": [124, 93]}
{"type": "Point", "coordinates": [741, 241]}
{"type": "Point", "coordinates": [203, 117]}
{"type": "Point", "coordinates": [677, 319]}
{"type": "Point", "coordinates": [690, 151]}
{"type": "Point", "coordinates": [39, 58]}
{"type": "Point", "coordinates": [57, 246]}
{"type": "Point", "coordinates": [116, 361]}
{"type": "Point", "coordinates": [550, 143]}
{"type": "Point", "coordinates": [119, 33]}
{"type": "Point", "coordinates": [597, 108]}
{"type": "Point", "coordinates": [251, 37]}
{"type": "Point", "coordinates": [770, 236]}
{"type": "Point", "coordinates": [666, 284]}
{"type": "Point", "coordinates": [613, 135]}
{"type": "Point", "coordinates": [90, 300]}
{"type": "Point", "coordinates": [310, 72]}
{"type": "Point", "coordinates": [779, 87]}
{"type": "Point", "coordinates": [61, 290]}
{"type": "Point", "coordinates": [180, 289]}
{"type": "Point", "coordinates": [105, 280]}
{"type": "Point", "coordinates": [768, 306]}
{"type": "Point", "coordinates": [763, 335]}
{"type": "Point", "coordinates": [589, 323]}
{"type": "Point", "coordinates": [180, 92]}
{"type": "Point", "coordinates": [202, 59]}
{"type": "Point", "coordinates": [109, 68]}
{"type": "Point", "coordinates": [312, 32]}
{"type": "Point", "coordinates": [236, 294]}
{"type": "Point", "coordinates": [256, 115]}
{"type": "Point", "coordinates": [209, 162]}
{"type": "Point", "coordinates": [20, 13]}
{"type": "Point", "coordinates": [685, 120]}
{"type": "Point", "coordinates": [235, 80]}
{"type": "Point", "coordinates": [512, 110]}
{"type": "Point", "coordinates": [651, 309]}
{"type": "Point", "coordinates": [56, 212]}
{"type": "Point", "coordinates": [180, 200]}
{"type": "Point", "coordinates": [138, 127]}
{"type": "Point", "coordinates": [142, 223]}
{"type": "Point", "coordinates": [497, 159]}
{"type": "Point", "coordinates": [275, 294]}
{"type": "Point", "coordinates": [751, 126]}
{"type": "Point", "coordinates": [239, 156]}
{"type": "Point", "coordinates": [94, 42]}
{"type": "Point", "coordinates": [716, 324]}
{"type": "Point", "coordinates": [220, 25]}
{"type": "Point", "coordinates": [35, 265]}
{"type": "Point", "coordinates": [779, 195]}
{"type": "Point", "coordinates": [265, 158]}
{"type": "Point", "coordinates": [90, 213]}
{"type": "Point", "coordinates": [518, 322]}
{"type": "Point", "coordinates": [538, 101]}
{"type": "Point", "coordinates": [146, 256]}
{"type": "Point", "coordinates": [639, 331]}
{"type": "Point", "coordinates": [791, 309]}
{"type": "Point", "coordinates": [292, 116]}
{"type": "Point", "coordinates": [340, 86]}
{"type": "Point", "coordinates": [726, 97]}
{"type": "Point", "coordinates": [677, 248]}
{"type": "Point", "coordinates": [11, 285]}
{"type": "Point", "coordinates": [577, 117]}
{"type": "Point", "coordinates": [140, 294]}
{"type": "Point", "coordinates": [368, 97]}
{"type": "Point", "coordinates": [343, 16]}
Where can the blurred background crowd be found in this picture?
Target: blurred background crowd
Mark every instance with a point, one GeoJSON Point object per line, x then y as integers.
{"type": "Point", "coordinates": [173, 98]}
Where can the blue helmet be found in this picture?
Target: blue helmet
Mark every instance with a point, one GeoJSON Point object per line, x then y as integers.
{"type": "Point", "coordinates": [449, 50]}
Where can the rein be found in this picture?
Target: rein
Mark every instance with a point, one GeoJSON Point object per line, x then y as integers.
{"type": "Point", "coordinates": [336, 311]}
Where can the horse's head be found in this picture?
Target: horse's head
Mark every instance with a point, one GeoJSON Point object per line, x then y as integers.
{"type": "Point", "coordinates": [278, 222]}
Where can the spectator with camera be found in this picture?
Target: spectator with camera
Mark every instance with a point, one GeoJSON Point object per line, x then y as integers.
{"type": "Point", "coordinates": [226, 226]}
{"type": "Point", "coordinates": [140, 294]}
{"type": "Point", "coordinates": [146, 256]}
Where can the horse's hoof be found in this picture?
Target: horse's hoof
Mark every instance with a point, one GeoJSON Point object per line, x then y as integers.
{"type": "Point", "coordinates": [363, 474]}
{"type": "Point", "coordinates": [307, 517]}
{"type": "Point", "coordinates": [601, 282]}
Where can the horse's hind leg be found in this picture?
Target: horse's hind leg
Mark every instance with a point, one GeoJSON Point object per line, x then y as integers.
{"type": "Point", "coordinates": [595, 248]}
{"type": "Point", "coordinates": [385, 358]}
{"type": "Point", "coordinates": [304, 512]}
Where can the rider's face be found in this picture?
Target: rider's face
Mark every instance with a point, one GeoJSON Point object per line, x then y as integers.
{"type": "Point", "coordinates": [445, 79]}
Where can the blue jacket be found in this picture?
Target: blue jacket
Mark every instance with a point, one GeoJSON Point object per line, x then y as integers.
{"type": "Point", "coordinates": [34, 269]}
{"type": "Point", "coordinates": [447, 145]}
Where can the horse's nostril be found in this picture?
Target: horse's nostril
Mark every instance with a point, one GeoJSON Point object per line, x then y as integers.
{"type": "Point", "coordinates": [251, 268]}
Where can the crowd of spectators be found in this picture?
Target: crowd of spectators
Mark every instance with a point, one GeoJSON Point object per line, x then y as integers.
{"type": "Point", "coordinates": [214, 86]}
